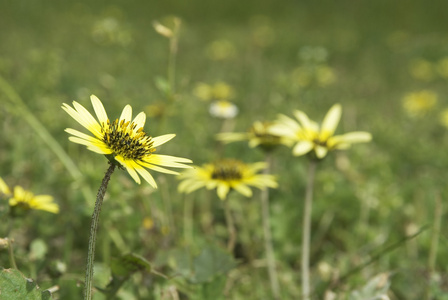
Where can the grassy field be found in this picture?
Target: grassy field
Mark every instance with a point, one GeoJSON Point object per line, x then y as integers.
{"type": "Point", "coordinates": [379, 207]}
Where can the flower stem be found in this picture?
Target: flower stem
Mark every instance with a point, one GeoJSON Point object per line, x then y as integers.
{"type": "Point", "coordinates": [11, 254]}
{"type": "Point", "coordinates": [270, 256]}
{"type": "Point", "coordinates": [93, 230]}
{"type": "Point", "coordinates": [230, 226]}
{"type": "Point", "coordinates": [307, 231]}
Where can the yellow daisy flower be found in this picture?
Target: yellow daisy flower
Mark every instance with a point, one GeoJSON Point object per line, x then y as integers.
{"type": "Point", "coordinates": [258, 136]}
{"type": "Point", "coordinates": [22, 200]}
{"type": "Point", "coordinates": [223, 109]}
{"type": "Point", "coordinates": [419, 103]}
{"type": "Point", "coordinates": [123, 141]}
{"type": "Point", "coordinates": [311, 137]}
{"type": "Point", "coordinates": [226, 175]}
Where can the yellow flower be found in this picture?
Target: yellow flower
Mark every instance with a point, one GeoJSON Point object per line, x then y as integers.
{"type": "Point", "coordinates": [123, 141]}
{"type": "Point", "coordinates": [22, 200]}
{"type": "Point", "coordinates": [319, 140]}
{"type": "Point", "coordinates": [419, 103]}
{"type": "Point", "coordinates": [258, 136]}
{"type": "Point", "coordinates": [203, 91]}
{"type": "Point", "coordinates": [226, 175]}
{"type": "Point", "coordinates": [222, 90]}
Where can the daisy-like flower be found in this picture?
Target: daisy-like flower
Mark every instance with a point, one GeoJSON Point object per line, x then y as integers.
{"type": "Point", "coordinates": [226, 175]}
{"type": "Point", "coordinates": [223, 109]}
{"type": "Point", "coordinates": [22, 200]}
{"type": "Point", "coordinates": [123, 141]}
{"type": "Point", "coordinates": [258, 135]}
{"type": "Point", "coordinates": [319, 140]}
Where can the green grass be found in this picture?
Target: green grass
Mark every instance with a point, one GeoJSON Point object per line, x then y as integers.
{"type": "Point", "coordinates": [50, 53]}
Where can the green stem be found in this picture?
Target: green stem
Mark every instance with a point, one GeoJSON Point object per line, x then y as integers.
{"type": "Point", "coordinates": [230, 226]}
{"type": "Point", "coordinates": [270, 256]}
{"type": "Point", "coordinates": [307, 231]}
{"type": "Point", "coordinates": [434, 241]}
{"type": "Point", "coordinates": [11, 254]}
{"type": "Point", "coordinates": [93, 231]}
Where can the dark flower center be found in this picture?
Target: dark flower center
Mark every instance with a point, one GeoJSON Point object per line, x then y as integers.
{"type": "Point", "coordinates": [227, 169]}
{"type": "Point", "coordinates": [123, 139]}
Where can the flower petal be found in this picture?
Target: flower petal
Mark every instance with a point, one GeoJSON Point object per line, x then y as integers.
{"type": "Point", "coordinates": [126, 114]}
{"type": "Point", "coordinates": [99, 110]}
{"type": "Point", "coordinates": [302, 147]}
{"type": "Point", "coordinates": [351, 138]}
{"type": "Point", "coordinates": [147, 176]}
{"type": "Point", "coordinates": [140, 120]}
{"type": "Point", "coordinates": [321, 151]}
{"type": "Point", "coordinates": [243, 189]}
{"type": "Point", "coordinates": [222, 190]}
{"type": "Point", "coordinates": [330, 122]}
{"type": "Point", "coordinates": [4, 189]}
{"type": "Point", "coordinates": [160, 140]}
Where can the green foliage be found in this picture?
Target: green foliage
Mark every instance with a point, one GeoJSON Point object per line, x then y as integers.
{"type": "Point", "coordinates": [13, 285]}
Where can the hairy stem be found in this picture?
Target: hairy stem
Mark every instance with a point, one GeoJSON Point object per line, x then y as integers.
{"type": "Point", "coordinates": [93, 230]}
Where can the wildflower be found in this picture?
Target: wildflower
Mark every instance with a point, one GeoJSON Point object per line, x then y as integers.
{"type": "Point", "coordinates": [421, 69]}
{"type": "Point", "coordinates": [311, 137]}
{"type": "Point", "coordinates": [203, 91]}
{"type": "Point", "coordinates": [21, 200]}
{"type": "Point", "coordinates": [258, 136]}
{"type": "Point", "coordinates": [123, 141]}
{"type": "Point", "coordinates": [222, 91]}
{"type": "Point", "coordinates": [419, 103]}
{"type": "Point", "coordinates": [223, 109]}
{"type": "Point", "coordinates": [226, 175]}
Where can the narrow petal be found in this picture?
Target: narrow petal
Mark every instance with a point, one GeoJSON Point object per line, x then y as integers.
{"type": "Point", "coordinates": [81, 134]}
{"type": "Point", "coordinates": [222, 190]}
{"type": "Point", "coordinates": [147, 176]}
{"type": "Point", "coordinates": [158, 169]}
{"type": "Point", "coordinates": [321, 152]}
{"type": "Point", "coordinates": [305, 121]}
{"type": "Point", "coordinates": [229, 137]}
{"type": "Point", "coordinates": [91, 144]}
{"type": "Point", "coordinates": [128, 164]}
{"type": "Point", "coordinates": [302, 147]}
{"type": "Point", "coordinates": [331, 121]}
{"type": "Point", "coordinates": [140, 120]}
{"type": "Point", "coordinates": [243, 189]}
{"type": "Point", "coordinates": [168, 161]}
{"type": "Point", "coordinates": [4, 189]}
{"type": "Point", "coordinates": [160, 140]}
{"type": "Point", "coordinates": [126, 115]}
{"type": "Point", "coordinates": [99, 109]}
{"type": "Point", "coordinates": [352, 138]}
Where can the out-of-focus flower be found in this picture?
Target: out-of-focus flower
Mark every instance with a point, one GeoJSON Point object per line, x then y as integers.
{"type": "Point", "coordinates": [218, 91]}
{"type": "Point", "coordinates": [123, 141]}
{"type": "Point", "coordinates": [442, 67]}
{"type": "Point", "coordinates": [258, 136]}
{"type": "Point", "coordinates": [421, 69]}
{"type": "Point", "coordinates": [162, 30]}
{"type": "Point", "coordinates": [444, 117]}
{"type": "Point", "coordinates": [325, 75]}
{"type": "Point", "coordinates": [169, 27]}
{"type": "Point", "coordinates": [319, 140]}
{"type": "Point", "coordinates": [110, 31]}
{"type": "Point", "coordinates": [21, 201]}
{"type": "Point", "coordinates": [419, 103]}
{"type": "Point", "coordinates": [220, 50]}
{"type": "Point", "coordinates": [223, 109]}
{"type": "Point", "coordinates": [313, 54]}
{"type": "Point", "coordinates": [226, 175]}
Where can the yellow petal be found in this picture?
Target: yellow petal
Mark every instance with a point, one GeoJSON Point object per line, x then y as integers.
{"type": "Point", "coordinates": [351, 138]}
{"type": "Point", "coordinates": [321, 151]}
{"type": "Point", "coordinates": [302, 147]}
{"type": "Point", "coordinates": [99, 109]}
{"type": "Point", "coordinates": [126, 114]}
{"type": "Point", "coordinates": [223, 190]}
{"type": "Point", "coordinates": [140, 120]}
{"type": "Point", "coordinates": [330, 122]}
{"type": "Point", "coordinates": [4, 189]}
{"type": "Point", "coordinates": [160, 140]}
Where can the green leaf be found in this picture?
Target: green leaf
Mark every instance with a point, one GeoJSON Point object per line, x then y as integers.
{"type": "Point", "coordinates": [211, 262]}
{"type": "Point", "coordinates": [127, 264]}
{"type": "Point", "coordinates": [13, 285]}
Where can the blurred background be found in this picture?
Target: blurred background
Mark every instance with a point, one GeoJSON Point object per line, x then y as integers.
{"type": "Point", "coordinates": [386, 62]}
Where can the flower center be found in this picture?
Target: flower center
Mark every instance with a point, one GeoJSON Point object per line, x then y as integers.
{"type": "Point", "coordinates": [227, 170]}
{"type": "Point", "coordinates": [124, 139]}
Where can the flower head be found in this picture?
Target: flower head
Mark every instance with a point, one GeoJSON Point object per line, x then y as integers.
{"type": "Point", "coordinates": [310, 137]}
{"type": "Point", "coordinates": [419, 103]}
{"type": "Point", "coordinates": [226, 175]}
{"type": "Point", "coordinates": [21, 201]}
{"type": "Point", "coordinates": [258, 135]}
{"type": "Point", "coordinates": [123, 141]}
{"type": "Point", "coordinates": [223, 109]}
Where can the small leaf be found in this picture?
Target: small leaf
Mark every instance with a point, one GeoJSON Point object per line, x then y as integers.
{"type": "Point", "coordinates": [13, 285]}
{"type": "Point", "coordinates": [127, 264]}
{"type": "Point", "coordinates": [212, 261]}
